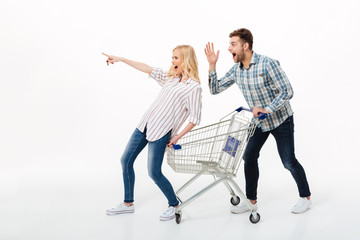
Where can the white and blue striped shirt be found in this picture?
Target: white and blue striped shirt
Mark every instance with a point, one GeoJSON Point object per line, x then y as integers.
{"type": "Point", "coordinates": [264, 85]}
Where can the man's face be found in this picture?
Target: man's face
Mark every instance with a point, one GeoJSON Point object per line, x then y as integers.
{"type": "Point", "coordinates": [236, 48]}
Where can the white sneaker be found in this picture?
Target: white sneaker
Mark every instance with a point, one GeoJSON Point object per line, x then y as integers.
{"type": "Point", "coordinates": [120, 209]}
{"type": "Point", "coordinates": [242, 207]}
{"type": "Point", "coordinates": [168, 214]}
{"type": "Point", "coordinates": [302, 205]}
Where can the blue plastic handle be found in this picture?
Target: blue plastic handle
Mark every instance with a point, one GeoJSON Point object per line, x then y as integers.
{"type": "Point", "coordinates": [242, 108]}
{"type": "Point", "coordinates": [261, 115]}
{"type": "Point", "coordinates": [176, 146]}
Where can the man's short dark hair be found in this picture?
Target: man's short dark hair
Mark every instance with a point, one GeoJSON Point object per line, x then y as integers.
{"type": "Point", "coordinates": [245, 35]}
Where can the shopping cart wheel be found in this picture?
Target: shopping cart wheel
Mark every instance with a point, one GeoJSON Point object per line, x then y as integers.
{"type": "Point", "coordinates": [235, 200]}
{"type": "Point", "coordinates": [178, 217]}
{"type": "Point", "coordinates": [254, 220]}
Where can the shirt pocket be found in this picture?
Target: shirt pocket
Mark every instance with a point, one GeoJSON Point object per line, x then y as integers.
{"type": "Point", "coordinates": [258, 82]}
{"type": "Point", "coordinates": [264, 82]}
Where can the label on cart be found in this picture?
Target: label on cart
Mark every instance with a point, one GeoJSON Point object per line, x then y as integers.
{"type": "Point", "coordinates": [231, 146]}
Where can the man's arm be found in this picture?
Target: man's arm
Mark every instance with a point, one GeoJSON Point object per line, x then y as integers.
{"type": "Point", "coordinates": [282, 83]}
{"type": "Point", "coordinates": [216, 86]}
{"type": "Point", "coordinates": [219, 85]}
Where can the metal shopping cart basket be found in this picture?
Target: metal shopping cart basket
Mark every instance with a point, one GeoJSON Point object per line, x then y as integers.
{"type": "Point", "coordinates": [217, 150]}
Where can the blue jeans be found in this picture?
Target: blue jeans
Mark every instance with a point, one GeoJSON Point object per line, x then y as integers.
{"type": "Point", "coordinates": [284, 136]}
{"type": "Point", "coordinates": [156, 153]}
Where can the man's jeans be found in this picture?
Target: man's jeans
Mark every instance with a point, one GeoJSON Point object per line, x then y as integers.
{"type": "Point", "coordinates": [156, 153]}
{"type": "Point", "coordinates": [284, 136]}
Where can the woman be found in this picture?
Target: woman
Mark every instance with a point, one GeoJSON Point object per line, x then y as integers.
{"type": "Point", "coordinates": [179, 98]}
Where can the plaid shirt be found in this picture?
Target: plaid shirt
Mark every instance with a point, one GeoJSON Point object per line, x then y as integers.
{"type": "Point", "coordinates": [264, 85]}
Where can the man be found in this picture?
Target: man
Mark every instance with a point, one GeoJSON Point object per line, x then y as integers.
{"type": "Point", "coordinates": [266, 89]}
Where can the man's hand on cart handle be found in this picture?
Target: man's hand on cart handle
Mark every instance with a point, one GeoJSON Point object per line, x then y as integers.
{"type": "Point", "coordinates": [257, 111]}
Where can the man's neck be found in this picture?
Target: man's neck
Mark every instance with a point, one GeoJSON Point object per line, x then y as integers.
{"type": "Point", "coordinates": [247, 60]}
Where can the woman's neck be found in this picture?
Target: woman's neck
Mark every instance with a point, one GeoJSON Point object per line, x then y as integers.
{"type": "Point", "coordinates": [183, 78]}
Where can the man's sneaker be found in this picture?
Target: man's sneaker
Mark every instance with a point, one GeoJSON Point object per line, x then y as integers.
{"type": "Point", "coordinates": [168, 214]}
{"type": "Point", "coordinates": [120, 209]}
{"type": "Point", "coordinates": [302, 205]}
{"type": "Point", "coordinates": [241, 208]}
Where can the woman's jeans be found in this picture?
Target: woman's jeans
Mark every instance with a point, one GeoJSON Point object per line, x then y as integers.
{"type": "Point", "coordinates": [156, 153]}
{"type": "Point", "coordinates": [284, 136]}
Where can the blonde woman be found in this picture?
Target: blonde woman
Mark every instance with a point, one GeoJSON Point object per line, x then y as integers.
{"type": "Point", "coordinates": [179, 98]}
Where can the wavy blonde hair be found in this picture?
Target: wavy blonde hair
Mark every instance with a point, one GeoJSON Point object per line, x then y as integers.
{"type": "Point", "coordinates": [189, 64]}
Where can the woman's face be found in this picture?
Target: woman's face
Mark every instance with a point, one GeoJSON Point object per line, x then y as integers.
{"type": "Point", "coordinates": [176, 61]}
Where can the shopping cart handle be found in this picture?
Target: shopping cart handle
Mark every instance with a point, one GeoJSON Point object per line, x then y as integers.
{"type": "Point", "coordinates": [261, 115]}
{"type": "Point", "coordinates": [176, 146]}
{"type": "Point", "coordinates": [242, 108]}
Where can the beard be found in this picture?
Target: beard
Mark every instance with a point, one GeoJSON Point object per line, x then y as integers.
{"type": "Point", "coordinates": [240, 57]}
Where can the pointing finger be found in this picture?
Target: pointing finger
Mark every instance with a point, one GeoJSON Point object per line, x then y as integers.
{"type": "Point", "coordinates": [106, 55]}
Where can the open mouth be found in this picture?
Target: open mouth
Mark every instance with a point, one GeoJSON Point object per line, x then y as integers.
{"type": "Point", "coordinates": [234, 54]}
{"type": "Point", "coordinates": [176, 67]}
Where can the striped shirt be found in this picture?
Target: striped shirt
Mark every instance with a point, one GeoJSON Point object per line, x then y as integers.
{"type": "Point", "coordinates": [264, 85]}
{"type": "Point", "coordinates": [174, 104]}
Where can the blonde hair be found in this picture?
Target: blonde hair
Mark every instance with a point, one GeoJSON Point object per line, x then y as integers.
{"type": "Point", "coordinates": [189, 65]}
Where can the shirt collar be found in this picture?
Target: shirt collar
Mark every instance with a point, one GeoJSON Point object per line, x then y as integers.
{"type": "Point", "coordinates": [254, 60]}
{"type": "Point", "coordinates": [188, 81]}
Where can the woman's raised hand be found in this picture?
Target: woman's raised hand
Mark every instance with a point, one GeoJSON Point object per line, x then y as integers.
{"type": "Point", "coordinates": [111, 59]}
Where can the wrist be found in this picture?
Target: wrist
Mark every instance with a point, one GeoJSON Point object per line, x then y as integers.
{"type": "Point", "coordinates": [268, 110]}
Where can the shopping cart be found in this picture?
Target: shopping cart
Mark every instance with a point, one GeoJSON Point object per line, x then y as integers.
{"type": "Point", "coordinates": [217, 150]}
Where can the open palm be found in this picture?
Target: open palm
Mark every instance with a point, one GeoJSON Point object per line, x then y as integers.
{"type": "Point", "coordinates": [210, 53]}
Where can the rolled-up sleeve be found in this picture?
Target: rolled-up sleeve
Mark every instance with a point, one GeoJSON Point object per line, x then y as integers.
{"type": "Point", "coordinates": [195, 106]}
{"type": "Point", "coordinates": [159, 75]}
{"type": "Point", "coordinates": [217, 86]}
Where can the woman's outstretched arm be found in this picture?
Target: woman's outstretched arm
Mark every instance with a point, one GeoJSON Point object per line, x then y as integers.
{"type": "Point", "coordinates": [137, 65]}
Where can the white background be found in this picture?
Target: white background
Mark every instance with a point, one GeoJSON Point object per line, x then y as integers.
{"type": "Point", "coordinates": [66, 116]}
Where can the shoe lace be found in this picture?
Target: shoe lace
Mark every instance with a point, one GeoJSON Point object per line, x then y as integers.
{"type": "Point", "coordinates": [300, 202]}
{"type": "Point", "coordinates": [170, 209]}
{"type": "Point", "coordinates": [121, 205]}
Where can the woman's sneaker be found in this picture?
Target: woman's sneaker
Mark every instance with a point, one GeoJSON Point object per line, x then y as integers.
{"type": "Point", "coordinates": [302, 205]}
{"type": "Point", "coordinates": [241, 208]}
{"type": "Point", "coordinates": [168, 214]}
{"type": "Point", "coordinates": [120, 209]}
